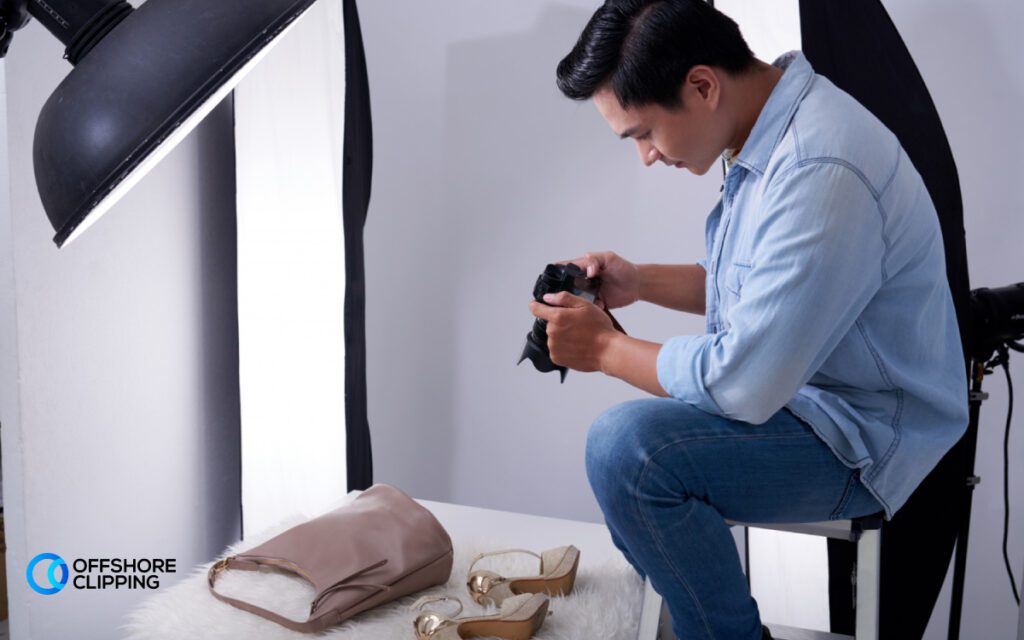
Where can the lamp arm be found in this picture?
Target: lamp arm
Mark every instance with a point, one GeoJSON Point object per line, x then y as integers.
{"type": "Point", "coordinates": [13, 16]}
{"type": "Point", "coordinates": [78, 24]}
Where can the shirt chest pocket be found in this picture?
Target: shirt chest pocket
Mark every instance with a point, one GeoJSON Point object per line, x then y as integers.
{"type": "Point", "coordinates": [735, 276]}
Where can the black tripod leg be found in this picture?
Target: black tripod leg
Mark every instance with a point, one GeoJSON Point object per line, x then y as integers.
{"type": "Point", "coordinates": [970, 440]}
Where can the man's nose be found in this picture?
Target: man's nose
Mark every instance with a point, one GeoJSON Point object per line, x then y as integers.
{"type": "Point", "coordinates": [648, 153]}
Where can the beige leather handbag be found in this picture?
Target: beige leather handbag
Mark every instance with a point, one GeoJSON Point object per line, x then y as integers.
{"type": "Point", "coordinates": [381, 547]}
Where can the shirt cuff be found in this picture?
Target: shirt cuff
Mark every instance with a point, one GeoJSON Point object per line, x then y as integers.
{"type": "Point", "coordinates": [680, 374]}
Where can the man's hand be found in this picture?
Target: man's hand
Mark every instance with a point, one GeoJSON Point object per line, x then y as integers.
{"type": "Point", "coordinates": [620, 278]}
{"type": "Point", "coordinates": [578, 331]}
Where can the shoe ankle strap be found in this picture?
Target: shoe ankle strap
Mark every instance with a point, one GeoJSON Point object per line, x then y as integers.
{"type": "Point", "coordinates": [501, 552]}
{"type": "Point", "coordinates": [428, 599]}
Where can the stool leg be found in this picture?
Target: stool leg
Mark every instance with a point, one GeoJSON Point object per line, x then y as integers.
{"type": "Point", "coordinates": [869, 553]}
{"type": "Point", "coordinates": [650, 613]}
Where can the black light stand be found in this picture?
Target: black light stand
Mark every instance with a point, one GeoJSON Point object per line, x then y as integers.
{"type": "Point", "coordinates": [997, 317]}
{"type": "Point", "coordinates": [976, 397]}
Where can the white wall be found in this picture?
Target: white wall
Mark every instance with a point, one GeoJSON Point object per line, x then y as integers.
{"type": "Point", "coordinates": [969, 56]}
{"type": "Point", "coordinates": [1020, 625]}
{"type": "Point", "coordinates": [484, 173]}
{"type": "Point", "coordinates": [120, 383]}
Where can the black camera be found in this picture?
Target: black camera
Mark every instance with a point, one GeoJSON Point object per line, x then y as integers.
{"type": "Point", "coordinates": [556, 277]}
{"type": "Point", "coordinates": [997, 319]}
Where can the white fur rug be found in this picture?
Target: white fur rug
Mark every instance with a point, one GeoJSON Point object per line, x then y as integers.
{"type": "Point", "coordinates": [605, 602]}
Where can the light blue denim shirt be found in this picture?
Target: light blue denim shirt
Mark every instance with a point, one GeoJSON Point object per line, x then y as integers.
{"type": "Point", "coordinates": [827, 292]}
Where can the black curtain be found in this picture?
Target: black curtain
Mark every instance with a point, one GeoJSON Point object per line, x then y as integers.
{"type": "Point", "coordinates": [358, 154]}
{"type": "Point", "coordinates": [857, 47]}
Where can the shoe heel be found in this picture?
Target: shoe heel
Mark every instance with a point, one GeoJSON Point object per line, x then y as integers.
{"type": "Point", "coordinates": [564, 585]}
{"type": "Point", "coordinates": [520, 625]}
{"type": "Point", "coordinates": [532, 624]}
{"type": "Point", "coordinates": [560, 586]}
{"type": "Point", "coordinates": [538, 618]}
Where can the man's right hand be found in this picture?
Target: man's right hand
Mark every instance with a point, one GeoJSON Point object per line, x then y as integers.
{"type": "Point", "coordinates": [620, 278]}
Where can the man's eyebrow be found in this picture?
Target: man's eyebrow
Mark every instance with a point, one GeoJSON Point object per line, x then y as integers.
{"type": "Point", "coordinates": [628, 133]}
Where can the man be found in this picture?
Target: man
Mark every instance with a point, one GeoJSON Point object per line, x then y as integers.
{"type": "Point", "coordinates": [830, 379]}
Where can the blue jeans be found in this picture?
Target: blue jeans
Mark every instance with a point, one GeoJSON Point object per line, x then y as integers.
{"type": "Point", "coordinates": [668, 474]}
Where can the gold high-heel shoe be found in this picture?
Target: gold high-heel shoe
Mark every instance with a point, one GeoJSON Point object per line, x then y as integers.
{"type": "Point", "coordinates": [520, 618]}
{"type": "Point", "coordinates": [557, 575]}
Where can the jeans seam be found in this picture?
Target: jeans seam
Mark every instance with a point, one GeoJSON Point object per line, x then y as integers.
{"type": "Point", "coordinates": [653, 531]}
{"type": "Point", "coordinates": [845, 498]}
{"type": "Point", "coordinates": [774, 436]}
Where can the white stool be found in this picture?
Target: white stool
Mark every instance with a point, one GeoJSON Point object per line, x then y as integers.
{"type": "Point", "coordinates": [866, 532]}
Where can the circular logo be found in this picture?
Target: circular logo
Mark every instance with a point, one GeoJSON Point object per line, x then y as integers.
{"type": "Point", "coordinates": [57, 565]}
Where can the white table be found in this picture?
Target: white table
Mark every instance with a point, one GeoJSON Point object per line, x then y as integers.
{"type": "Point", "coordinates": [534, 532]}
{"type": "Point", "coordinates": [527, 531]}
{"type": "Point", "coordinates": [610, 600]}
{"type": "Point", "coordinates": [593, 540]}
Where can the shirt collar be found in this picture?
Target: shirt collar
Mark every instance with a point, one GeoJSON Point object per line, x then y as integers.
{"type": "Point", "coordinates": [777, 112]}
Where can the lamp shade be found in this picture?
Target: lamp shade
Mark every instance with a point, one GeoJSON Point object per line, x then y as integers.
{"type": "Point", "coordinates": [139, 91]}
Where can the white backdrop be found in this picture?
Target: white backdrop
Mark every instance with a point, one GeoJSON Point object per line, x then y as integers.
{"type": "Point", "coordinates": [289, 127]}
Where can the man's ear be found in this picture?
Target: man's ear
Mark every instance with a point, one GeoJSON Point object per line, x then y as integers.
{"type": "Point", "coordinates": [702, 84]}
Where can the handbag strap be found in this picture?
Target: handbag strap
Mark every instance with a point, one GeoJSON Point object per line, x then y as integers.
{"type": "Point", "coordinates": [253, 564]}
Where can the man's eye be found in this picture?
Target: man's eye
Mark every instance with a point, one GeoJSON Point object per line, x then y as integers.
{"type": "Point", "coordinates": [646, 136]}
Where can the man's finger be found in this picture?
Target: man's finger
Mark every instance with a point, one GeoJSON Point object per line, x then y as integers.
{"type": "Point", "coordinates": [595, 263]}
{"type": "Point", "coordinates": [564, 299]}
{"type": "Point", "coordinates": [541, 311]}
{"type": "Point", "coordinates": [583, 263]}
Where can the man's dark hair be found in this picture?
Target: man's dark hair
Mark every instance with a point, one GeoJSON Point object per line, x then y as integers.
{"type": "Point", "coordinates": [643, 49]}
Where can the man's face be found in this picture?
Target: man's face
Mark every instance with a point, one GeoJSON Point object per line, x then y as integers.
{"type": "Point", "coordinates": [692, 137]}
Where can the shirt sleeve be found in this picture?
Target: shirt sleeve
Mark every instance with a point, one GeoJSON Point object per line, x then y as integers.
{"type": "Point", "coordinates": [817, 262]}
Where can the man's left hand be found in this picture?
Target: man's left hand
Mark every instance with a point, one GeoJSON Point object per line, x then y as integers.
{"type": "Point", "coordinates": [578, 331]}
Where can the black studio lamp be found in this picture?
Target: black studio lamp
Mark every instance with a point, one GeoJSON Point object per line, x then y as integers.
{"type": "Point", "coordinates": [143, 78]}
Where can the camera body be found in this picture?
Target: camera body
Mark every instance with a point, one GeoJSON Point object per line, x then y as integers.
{"type": "Point", "coordinates": [997, 318]}
{"type": "Point", "coordinates": [555, 278]}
